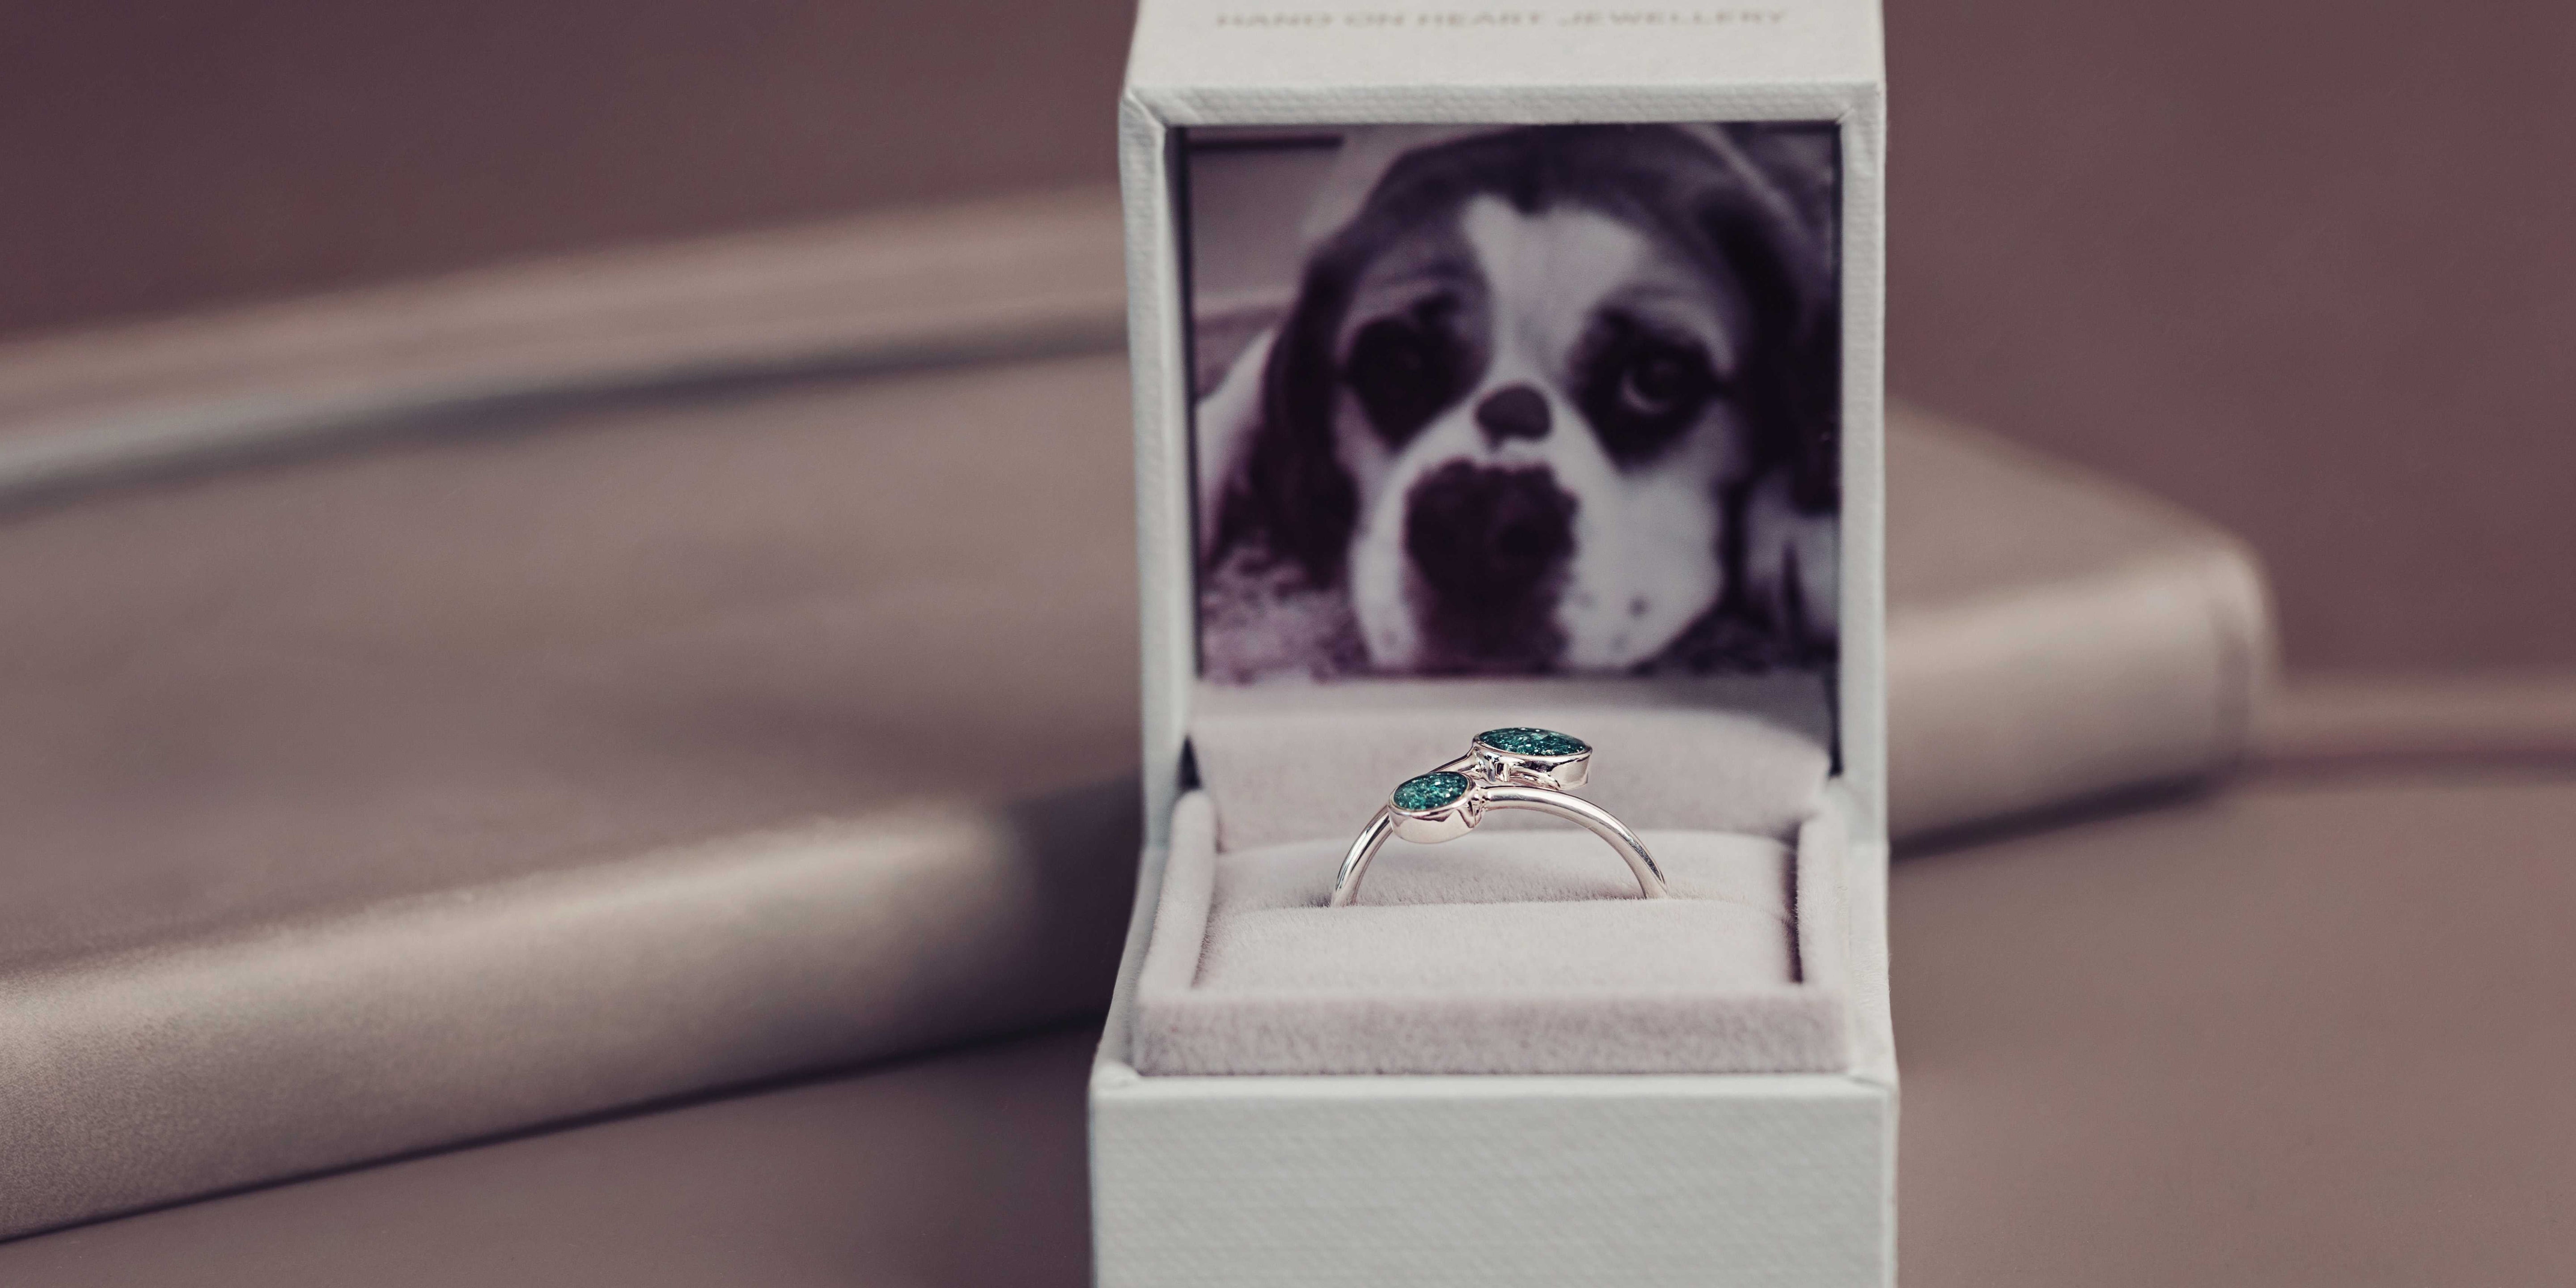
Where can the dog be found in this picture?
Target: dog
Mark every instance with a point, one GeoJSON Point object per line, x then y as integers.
{"type": "Point", "coordinates": [1555, 398]}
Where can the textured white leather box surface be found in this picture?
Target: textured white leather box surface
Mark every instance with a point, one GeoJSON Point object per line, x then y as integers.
{"type": "Point", "coordinates": [1765, 1178]}
{"type": "Point", "coordinates": [1630, 1179]}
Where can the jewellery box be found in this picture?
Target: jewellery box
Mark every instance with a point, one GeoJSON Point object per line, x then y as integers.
{"type": "Point", "coordinates": [1505, 368]}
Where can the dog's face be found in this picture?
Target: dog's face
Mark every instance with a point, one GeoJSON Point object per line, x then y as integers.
{"type": "Point", "coordinates": [1533, 409]}
{"type": "Point", "coordinates": [1533, 405]}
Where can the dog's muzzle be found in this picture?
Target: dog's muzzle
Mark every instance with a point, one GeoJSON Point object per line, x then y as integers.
{"type": "Point", "coordinates": [1490, 545]}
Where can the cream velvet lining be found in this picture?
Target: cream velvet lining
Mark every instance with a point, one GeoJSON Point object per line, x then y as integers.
{"type": "Point", "coordinates": [1522, 947]}
{"type": "Point", "coordinates": [1306, 762]}
{"type": "Point", "coordinates": [1522, 952]}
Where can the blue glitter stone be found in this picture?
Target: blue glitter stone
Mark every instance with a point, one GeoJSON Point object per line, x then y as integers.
{"type": "Point", "coordinates": [1533, 742]}
{"type": "Point", "coordinates": [1430, 791]}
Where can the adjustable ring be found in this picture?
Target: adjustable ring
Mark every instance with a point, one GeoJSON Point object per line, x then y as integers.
{"type": "Point", "coordinates": [1533, 769]}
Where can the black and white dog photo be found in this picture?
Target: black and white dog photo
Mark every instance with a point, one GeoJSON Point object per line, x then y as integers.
{"type": "Point", "coordinates": [1548, 399]}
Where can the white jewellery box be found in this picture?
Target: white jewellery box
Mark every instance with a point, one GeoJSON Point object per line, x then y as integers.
{"type": "Point", "coordinates": [1505, 369]}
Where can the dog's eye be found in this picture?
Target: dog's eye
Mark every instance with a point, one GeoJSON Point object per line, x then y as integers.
{"type": "Point", "coordinates": [1642, 391]}
{"type": "Point", "coordinates": [1661, 380]}
{"type": "Point", "coordinates": [1403, 373]}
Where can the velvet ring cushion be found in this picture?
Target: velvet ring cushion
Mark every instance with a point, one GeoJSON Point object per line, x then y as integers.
{"type": "Point", "coordinates": [1505, 951]}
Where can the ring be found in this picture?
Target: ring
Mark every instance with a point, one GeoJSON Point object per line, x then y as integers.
{"type": "Point", "coordinates": [1516, 768]}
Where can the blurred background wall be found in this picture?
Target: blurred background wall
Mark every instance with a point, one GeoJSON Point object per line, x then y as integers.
{"type": "Point", "coordinates": [2301, 265]}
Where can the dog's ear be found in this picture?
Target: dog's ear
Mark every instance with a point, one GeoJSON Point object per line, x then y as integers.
{"type": "Point", "coordinates": [1779, 251]}
{"type": "Point", "coordinates": [1295, 496]}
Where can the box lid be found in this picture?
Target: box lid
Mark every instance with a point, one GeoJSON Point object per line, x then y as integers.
{"type": "Point", "coordinates": [1223, 56]}
{"type": "Point", "coordinates": [1318, 79]}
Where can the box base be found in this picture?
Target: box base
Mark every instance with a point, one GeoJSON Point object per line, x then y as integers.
{"type": "Point", "coordinates": [1523, 1179]}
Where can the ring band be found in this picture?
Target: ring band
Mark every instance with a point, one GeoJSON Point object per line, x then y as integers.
{"type": "Point", "coordinates": [1519, 768]}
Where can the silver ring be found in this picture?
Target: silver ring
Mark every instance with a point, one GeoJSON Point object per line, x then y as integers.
{"type": "Point", "coordinates": [1518, 768]}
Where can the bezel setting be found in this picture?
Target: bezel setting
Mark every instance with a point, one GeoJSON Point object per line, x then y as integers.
{"type": "Point", "coordinates": [1447, 821]}
{"type": "Point", "coordinates": [1516, 767]}
{"type": "Point", "coordinates": [1529, 755]}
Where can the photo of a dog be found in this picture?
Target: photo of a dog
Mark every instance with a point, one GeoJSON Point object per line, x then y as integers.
{"type": "Point", "coordinates": [1546, 399]}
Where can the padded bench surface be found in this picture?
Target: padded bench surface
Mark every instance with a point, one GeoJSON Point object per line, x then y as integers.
{"type": "Point", "coordinates": [2312, 1029]}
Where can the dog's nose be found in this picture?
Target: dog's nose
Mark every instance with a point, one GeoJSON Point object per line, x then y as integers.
{"type": "Point", "coordinates": [1486, 538]}
{"type": "Point", "coordinates": [1514, 411]}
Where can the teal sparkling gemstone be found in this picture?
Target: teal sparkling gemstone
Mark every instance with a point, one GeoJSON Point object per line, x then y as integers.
{"type": "Point", "coordinates": [1430, 791]}
{"type": "Point", "coordinates": [1533, 742]}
